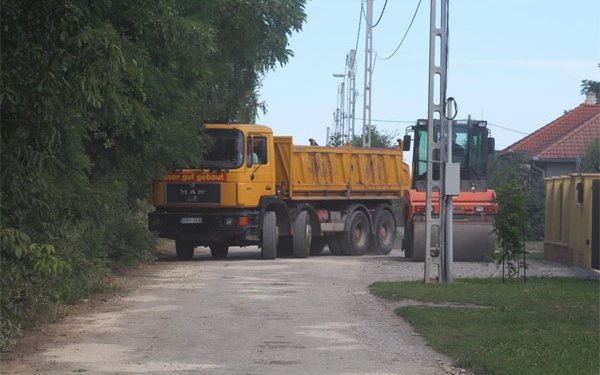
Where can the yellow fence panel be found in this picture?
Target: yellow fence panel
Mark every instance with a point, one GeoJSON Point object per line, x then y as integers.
{"type": "Point", "coordinates": [568, 225]}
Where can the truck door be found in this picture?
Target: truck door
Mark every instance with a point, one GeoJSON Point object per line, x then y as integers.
{"type": "Point", "coordinates": [261, 169]}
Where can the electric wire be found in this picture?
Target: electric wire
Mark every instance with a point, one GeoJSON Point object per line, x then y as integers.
{"type": "Point", "coordinates": [413, 121]}
{"type": "Point", "coordinates": [380, 16]}
{"type": "Point", "coordinates": [392, 121]}
{"type": "Point", "coordinates": [505, 128]}
{"type": "Point", "coordinates": [362, 9]}
{"type": "Point", "coordinates": [405, 34]}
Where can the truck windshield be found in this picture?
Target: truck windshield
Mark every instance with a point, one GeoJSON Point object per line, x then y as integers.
{"type": "Point", "coordinates": [469, 148]}
{"type": "Point", "coordinates": [226, 148]}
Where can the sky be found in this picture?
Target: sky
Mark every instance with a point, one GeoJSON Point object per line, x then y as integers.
{"type": "Point", "coordinates": [518, 64]}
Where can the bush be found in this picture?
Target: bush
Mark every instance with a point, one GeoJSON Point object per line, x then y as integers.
{"type": "Point", "coordinates": [87, 252]}
{"type": "Point", "coordinates": [27, 269]}
{"type": "Point", "coordinates": [510, 226]}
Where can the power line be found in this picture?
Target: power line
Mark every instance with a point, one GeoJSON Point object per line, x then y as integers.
{"type": "Point", "coordinates": [512, 130]}
{"type": "Point", "coordinates": [362, 10]}
{"type": "Point", "coordinates": [381, 15]}
{"type": "Point", "coordinates": [413, 121]}
{"type": "Point", "coordinates": [404, 37]}
{"type": "Point", "coordinates": [395, 121]}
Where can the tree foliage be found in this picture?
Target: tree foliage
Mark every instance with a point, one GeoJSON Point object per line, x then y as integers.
{"type": "Point", "coordinates": [98, 98]}
{"type": "Point", "coordinates": [590, 162]}
{"type": "Point", "coordinates": [510, 226]}
{"type": "Point", "coordinates": [591, 86]}
{"type": "Point", "coordinates": [515, 168]}
{"type": "Point", "coordinates": [336, 140]}
{"type": "Point", "coordinates": [379, 139]}
{"type": "Point", "coordinates": [506, 169]}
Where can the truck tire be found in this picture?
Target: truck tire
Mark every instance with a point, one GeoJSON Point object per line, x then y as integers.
{"type": "Point", "coordinates": [408, 243]}
{"type": "Point", "coordinates": [333, 242]}
{"type": "Point", "coordinates": [184, 250]}
{"type": "Point", "coordinates": [317, 242]}
{"type": "Point", "coordinates": [302, 235]}
{"type": "Point", "coordinates": [384, 230]}
{"type": "Point", "coordinates": [269, 236]}
{"type": "Point", "coordinates": [219, 251]}
{"type": "Point", "coordinates": [355, 239]}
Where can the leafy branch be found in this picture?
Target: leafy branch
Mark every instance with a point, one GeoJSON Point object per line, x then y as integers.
{"type": "Point", "coordinates": [510, 227]}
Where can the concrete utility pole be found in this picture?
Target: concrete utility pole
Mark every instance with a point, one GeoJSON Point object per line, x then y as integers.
{"type": "Point", "coordinates": [351, 61]}
{"type": "Point", "coordinates": [342, 125]}
{"type": "Point", "coordinates": [340, 114]}
{"type": "Point", "coordinates": [368, 72]}
{"type": "Point", "coordinates": [435, 228]}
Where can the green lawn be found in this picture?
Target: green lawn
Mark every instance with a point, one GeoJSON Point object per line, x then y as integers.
{"type": "Point", "coordinates": [542, 326]}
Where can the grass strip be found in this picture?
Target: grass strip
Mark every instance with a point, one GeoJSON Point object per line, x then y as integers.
{"type": "Point", "coordinates": [542, 326]}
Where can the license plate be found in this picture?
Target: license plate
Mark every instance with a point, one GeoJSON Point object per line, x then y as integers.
{"type": "Point", "coordinates": [190, 220]}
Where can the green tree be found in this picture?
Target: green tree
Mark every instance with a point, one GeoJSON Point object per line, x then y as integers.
{"type": "Point", "coordinates": [379, 139]}
{"type": "Point", "coordinates": [502, 170]}
{"type": "Point", "coordinates": [515, 168]}
{"type": "Point", "coordinates": [591, 86]}
{"type": "Point", "coordinates": [510, 226]}
{"type": "Point", "coordinates": [335, 140]}
{"type": "Point", "coordinates": [590, 162]}
{"type": "Point", "coordinates": [98, 98]}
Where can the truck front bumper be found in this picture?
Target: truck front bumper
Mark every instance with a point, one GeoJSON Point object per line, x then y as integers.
{"type": "Point", "coordinates": [236, 227]}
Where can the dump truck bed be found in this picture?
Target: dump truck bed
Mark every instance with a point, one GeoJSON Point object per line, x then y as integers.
{"type": "Point", "coordinates": [315, 172]}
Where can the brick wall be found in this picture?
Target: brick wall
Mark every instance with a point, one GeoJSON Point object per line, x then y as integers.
{"type": "Point", "coordinates": [559, 252]}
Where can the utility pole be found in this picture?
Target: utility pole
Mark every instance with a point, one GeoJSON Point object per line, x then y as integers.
{"type": "Point", "coordinates": [451, 188]}
{"type": "Point", "coordinates": [340, 114]}
{"type": "Point", "coordinates": [435, 230]}
{"type": "Point", "coordinates": [351, 60]}
{"type": "Point", "coordinates": [368, 72]}
{"type": "Point", "coordinates": [342, 125]}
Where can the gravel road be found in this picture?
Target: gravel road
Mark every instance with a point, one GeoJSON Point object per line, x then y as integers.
{"type": "Point", "coordinates": [245, 315]}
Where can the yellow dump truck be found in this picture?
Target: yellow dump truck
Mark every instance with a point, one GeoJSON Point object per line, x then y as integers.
{"type": "Point", "coordinates": [254, 188]}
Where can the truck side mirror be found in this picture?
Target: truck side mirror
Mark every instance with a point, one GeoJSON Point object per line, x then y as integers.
{"type": "Point", "coordinates": [406, 143]}
{"type": "Point", "coordinates": [491, 145]}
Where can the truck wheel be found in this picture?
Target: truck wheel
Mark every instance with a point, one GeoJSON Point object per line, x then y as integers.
{"type": "Point", "coordinates": [184, 250]}
{"type": "Point", "coordinates": [269, 236]}
{"type": "Point", "coordinates": [408, 242]}
{"type": "Point", "coordinates": [384, 231]}
{"type": "Point", "coordinates": [355, 239]}
{"type": "Point", "coordinates": [219, 251]}
{"type": "Point", "coordinates": [333, 243]}
{"type": "Point", "coordinates": [302, 235]}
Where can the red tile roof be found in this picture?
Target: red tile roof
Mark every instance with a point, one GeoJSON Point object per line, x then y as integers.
{"type": "Point", "coordinates": [573, 143]}
{"type": "Point", "coordinates": [564, 138]}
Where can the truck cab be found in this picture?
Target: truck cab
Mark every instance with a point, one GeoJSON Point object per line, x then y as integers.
{"type": "Point", "coordinates": [217, 203]}
{"type": "Point", "coordinates": [471, 146]}
{"type": "Point", "coordinates": [474, 207]}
